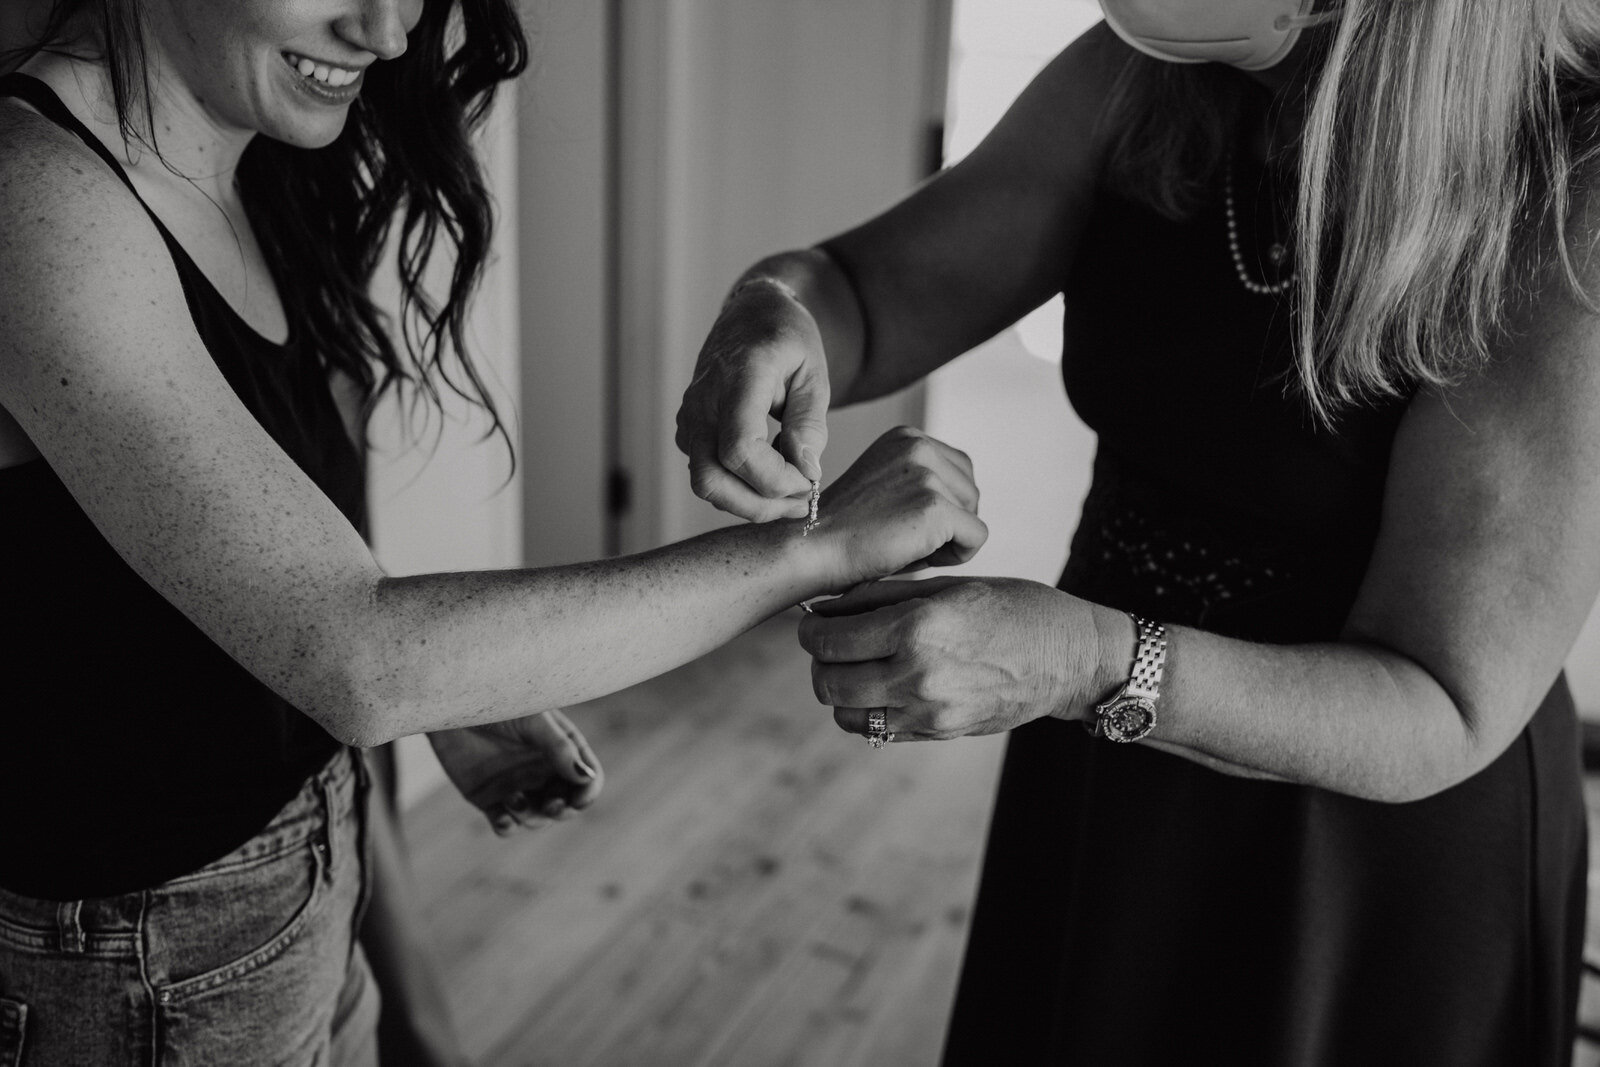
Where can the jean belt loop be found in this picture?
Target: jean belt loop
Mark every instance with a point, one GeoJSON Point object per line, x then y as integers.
{"type": "Point", "coordinates": [327, 835]}
{"type": "Point", "coordinates": [362, 800]}
{"type": "Point", "coordinates": [69, 927]}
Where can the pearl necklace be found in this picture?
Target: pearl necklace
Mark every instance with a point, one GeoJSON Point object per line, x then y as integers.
{"type": "Point", "coordinates": [1275, 253]}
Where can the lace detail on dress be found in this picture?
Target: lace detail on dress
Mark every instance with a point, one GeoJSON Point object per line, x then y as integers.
{"type": "Point", "coordinates": [1181, 568]}
{"type": "Point", "coordinates": [1174, 567]}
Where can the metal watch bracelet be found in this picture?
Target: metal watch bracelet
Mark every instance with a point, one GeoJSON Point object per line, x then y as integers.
{"type": "Point", "coordinates": [1130, 714]}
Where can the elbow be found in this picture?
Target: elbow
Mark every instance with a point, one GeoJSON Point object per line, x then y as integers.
{"type": "Point", "coordinates": [1450, 736]}
{"type": "Point", "coordinates": [1414, 788]}
{"type": "Point", "coordinates": [353, 718]}
{"type": "Point", "coordinates": [356, 728]}
{"type": "Point", "coordinates": [1452, 755]}
{"type": "Point", "coordinates": [361, 699]}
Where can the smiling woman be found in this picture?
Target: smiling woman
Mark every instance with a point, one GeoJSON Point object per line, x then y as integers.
{"type": "Point", "coordinates": [192, 630]}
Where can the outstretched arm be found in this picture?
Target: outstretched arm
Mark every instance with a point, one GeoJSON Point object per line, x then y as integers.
{"type": "Point", "coordinates": [103, 370]}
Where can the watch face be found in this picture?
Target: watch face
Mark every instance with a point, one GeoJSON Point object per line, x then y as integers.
{"type": "Point", "coordinates": [1129, 719]}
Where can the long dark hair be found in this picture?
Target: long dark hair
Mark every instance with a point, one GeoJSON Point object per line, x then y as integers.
{"type": "Point", "coordinates": [324, 216]}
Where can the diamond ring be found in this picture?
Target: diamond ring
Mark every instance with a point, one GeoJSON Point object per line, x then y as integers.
{"type": "Point", "coordinates": [877, 727]}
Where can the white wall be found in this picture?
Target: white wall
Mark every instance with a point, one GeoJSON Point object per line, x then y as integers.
{"type": "Point", "coordinates": [562, 200]}
{"type": "Point", "coordinates": [1583, 667]}
{"type": "Point", "coordinates": [750, 126]}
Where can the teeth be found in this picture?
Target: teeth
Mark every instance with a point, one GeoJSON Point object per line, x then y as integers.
{"type": "Point", "coordinates": [333, 77]}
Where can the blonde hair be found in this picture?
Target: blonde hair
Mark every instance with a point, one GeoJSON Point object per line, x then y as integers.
{"type": "Point", "coordinates": [1442, 148]}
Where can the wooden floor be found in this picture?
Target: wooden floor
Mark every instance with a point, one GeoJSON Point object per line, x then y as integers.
{"type": "Point", "coordinates": [754, 888]}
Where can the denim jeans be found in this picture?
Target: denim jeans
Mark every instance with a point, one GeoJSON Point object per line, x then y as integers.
{"type": "Point", "coordinates": [251, 960]}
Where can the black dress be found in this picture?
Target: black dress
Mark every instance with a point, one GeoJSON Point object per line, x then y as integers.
{"type": "Point", "coordinates": [1135, 908]}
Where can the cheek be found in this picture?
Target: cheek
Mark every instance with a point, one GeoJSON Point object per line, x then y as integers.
{"type": "Point", "coordinates": [276, 23]}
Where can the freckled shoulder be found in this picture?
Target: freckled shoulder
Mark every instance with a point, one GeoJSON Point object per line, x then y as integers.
{"type": "Point", "coordinates": [56, 195]}
{"type": "Point", "coordinates": [68, 225]}
{"type": "Point", "coordinates": [88, 290]}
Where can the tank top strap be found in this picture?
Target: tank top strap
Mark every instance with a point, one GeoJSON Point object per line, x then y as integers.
{"type": "Point", "coordinates": [42, 98]}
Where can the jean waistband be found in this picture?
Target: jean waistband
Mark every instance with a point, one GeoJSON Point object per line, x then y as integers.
{"type": "Point", "coordinates": [326, 799]}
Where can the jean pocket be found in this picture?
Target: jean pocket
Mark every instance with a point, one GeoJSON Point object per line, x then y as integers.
{"type": "Point", "coordinates": [206, 932]}
{"type": "Point", "coordinates": [273, 1005]}
{"type": "Point", "coordinates": [13, 1028]}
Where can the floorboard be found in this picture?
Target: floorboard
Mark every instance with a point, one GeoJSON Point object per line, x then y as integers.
{"type": "Point", "coordinates": [754, 887]}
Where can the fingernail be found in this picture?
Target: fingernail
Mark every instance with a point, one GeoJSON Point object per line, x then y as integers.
{"type": "Point", "coordinates": [503, 823]}
{"type": "Point", "coordinates": [809, 465]}
{"type": "Point", "coordinates": [553, 809]}
{"type": "Point", "coordinates": [517, 802]}
{"type": "Point", "coordinates": [583, 768]}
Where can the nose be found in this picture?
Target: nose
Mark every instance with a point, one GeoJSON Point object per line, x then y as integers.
{"type": "Point", "coordinates": [380, 26]}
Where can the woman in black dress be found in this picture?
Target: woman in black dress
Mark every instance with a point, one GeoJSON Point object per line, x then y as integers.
{"type": "Point", "coordinates": [1330, 309]}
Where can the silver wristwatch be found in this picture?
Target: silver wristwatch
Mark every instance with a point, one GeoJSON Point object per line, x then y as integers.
{"type": "Point", "coordinates": [1130, 714]}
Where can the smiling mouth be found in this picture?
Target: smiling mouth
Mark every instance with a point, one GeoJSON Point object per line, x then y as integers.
{"type": "Point", "coordinates": [323, 74]}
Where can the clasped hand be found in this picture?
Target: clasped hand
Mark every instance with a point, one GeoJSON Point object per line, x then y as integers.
{"type": "Point", "coordinates": [950, 657]}
{"type": "Point", "coordinates": [908, 502]}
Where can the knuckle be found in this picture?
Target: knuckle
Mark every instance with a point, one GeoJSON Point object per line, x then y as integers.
{"type": "Point", "coordinates": [914, 632]}
{"type": "Point", "coordinates": [819, 684]}
{"type": "Point", "coordinates": [736, 454]}
{"type": "Point", "coordinates": [701, 482]}
{"type": "Point", "coordinates": [927, 498]}
{"type": "Point", "coordinates": [809, 635]}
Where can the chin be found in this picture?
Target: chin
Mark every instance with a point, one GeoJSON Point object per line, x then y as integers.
{"type": "Point", "coordinates": [306, 134]}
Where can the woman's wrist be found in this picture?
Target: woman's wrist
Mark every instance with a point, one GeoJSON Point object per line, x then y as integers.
{"type": "Point", "coordinates": [817, 283]}
{"type": "Point", "coordinates": [1097, 656]}
{"type": "Point", "coordinates": [806, 565]}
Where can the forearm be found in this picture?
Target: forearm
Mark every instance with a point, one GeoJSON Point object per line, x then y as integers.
{"type": "Point", "coordinates": [1352, 718]}
{"type": "Point", "coordinates": [447, 650]}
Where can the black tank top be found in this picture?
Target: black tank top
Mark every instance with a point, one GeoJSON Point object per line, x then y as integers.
{"type": "Point", "coordinates": [132, 748]}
